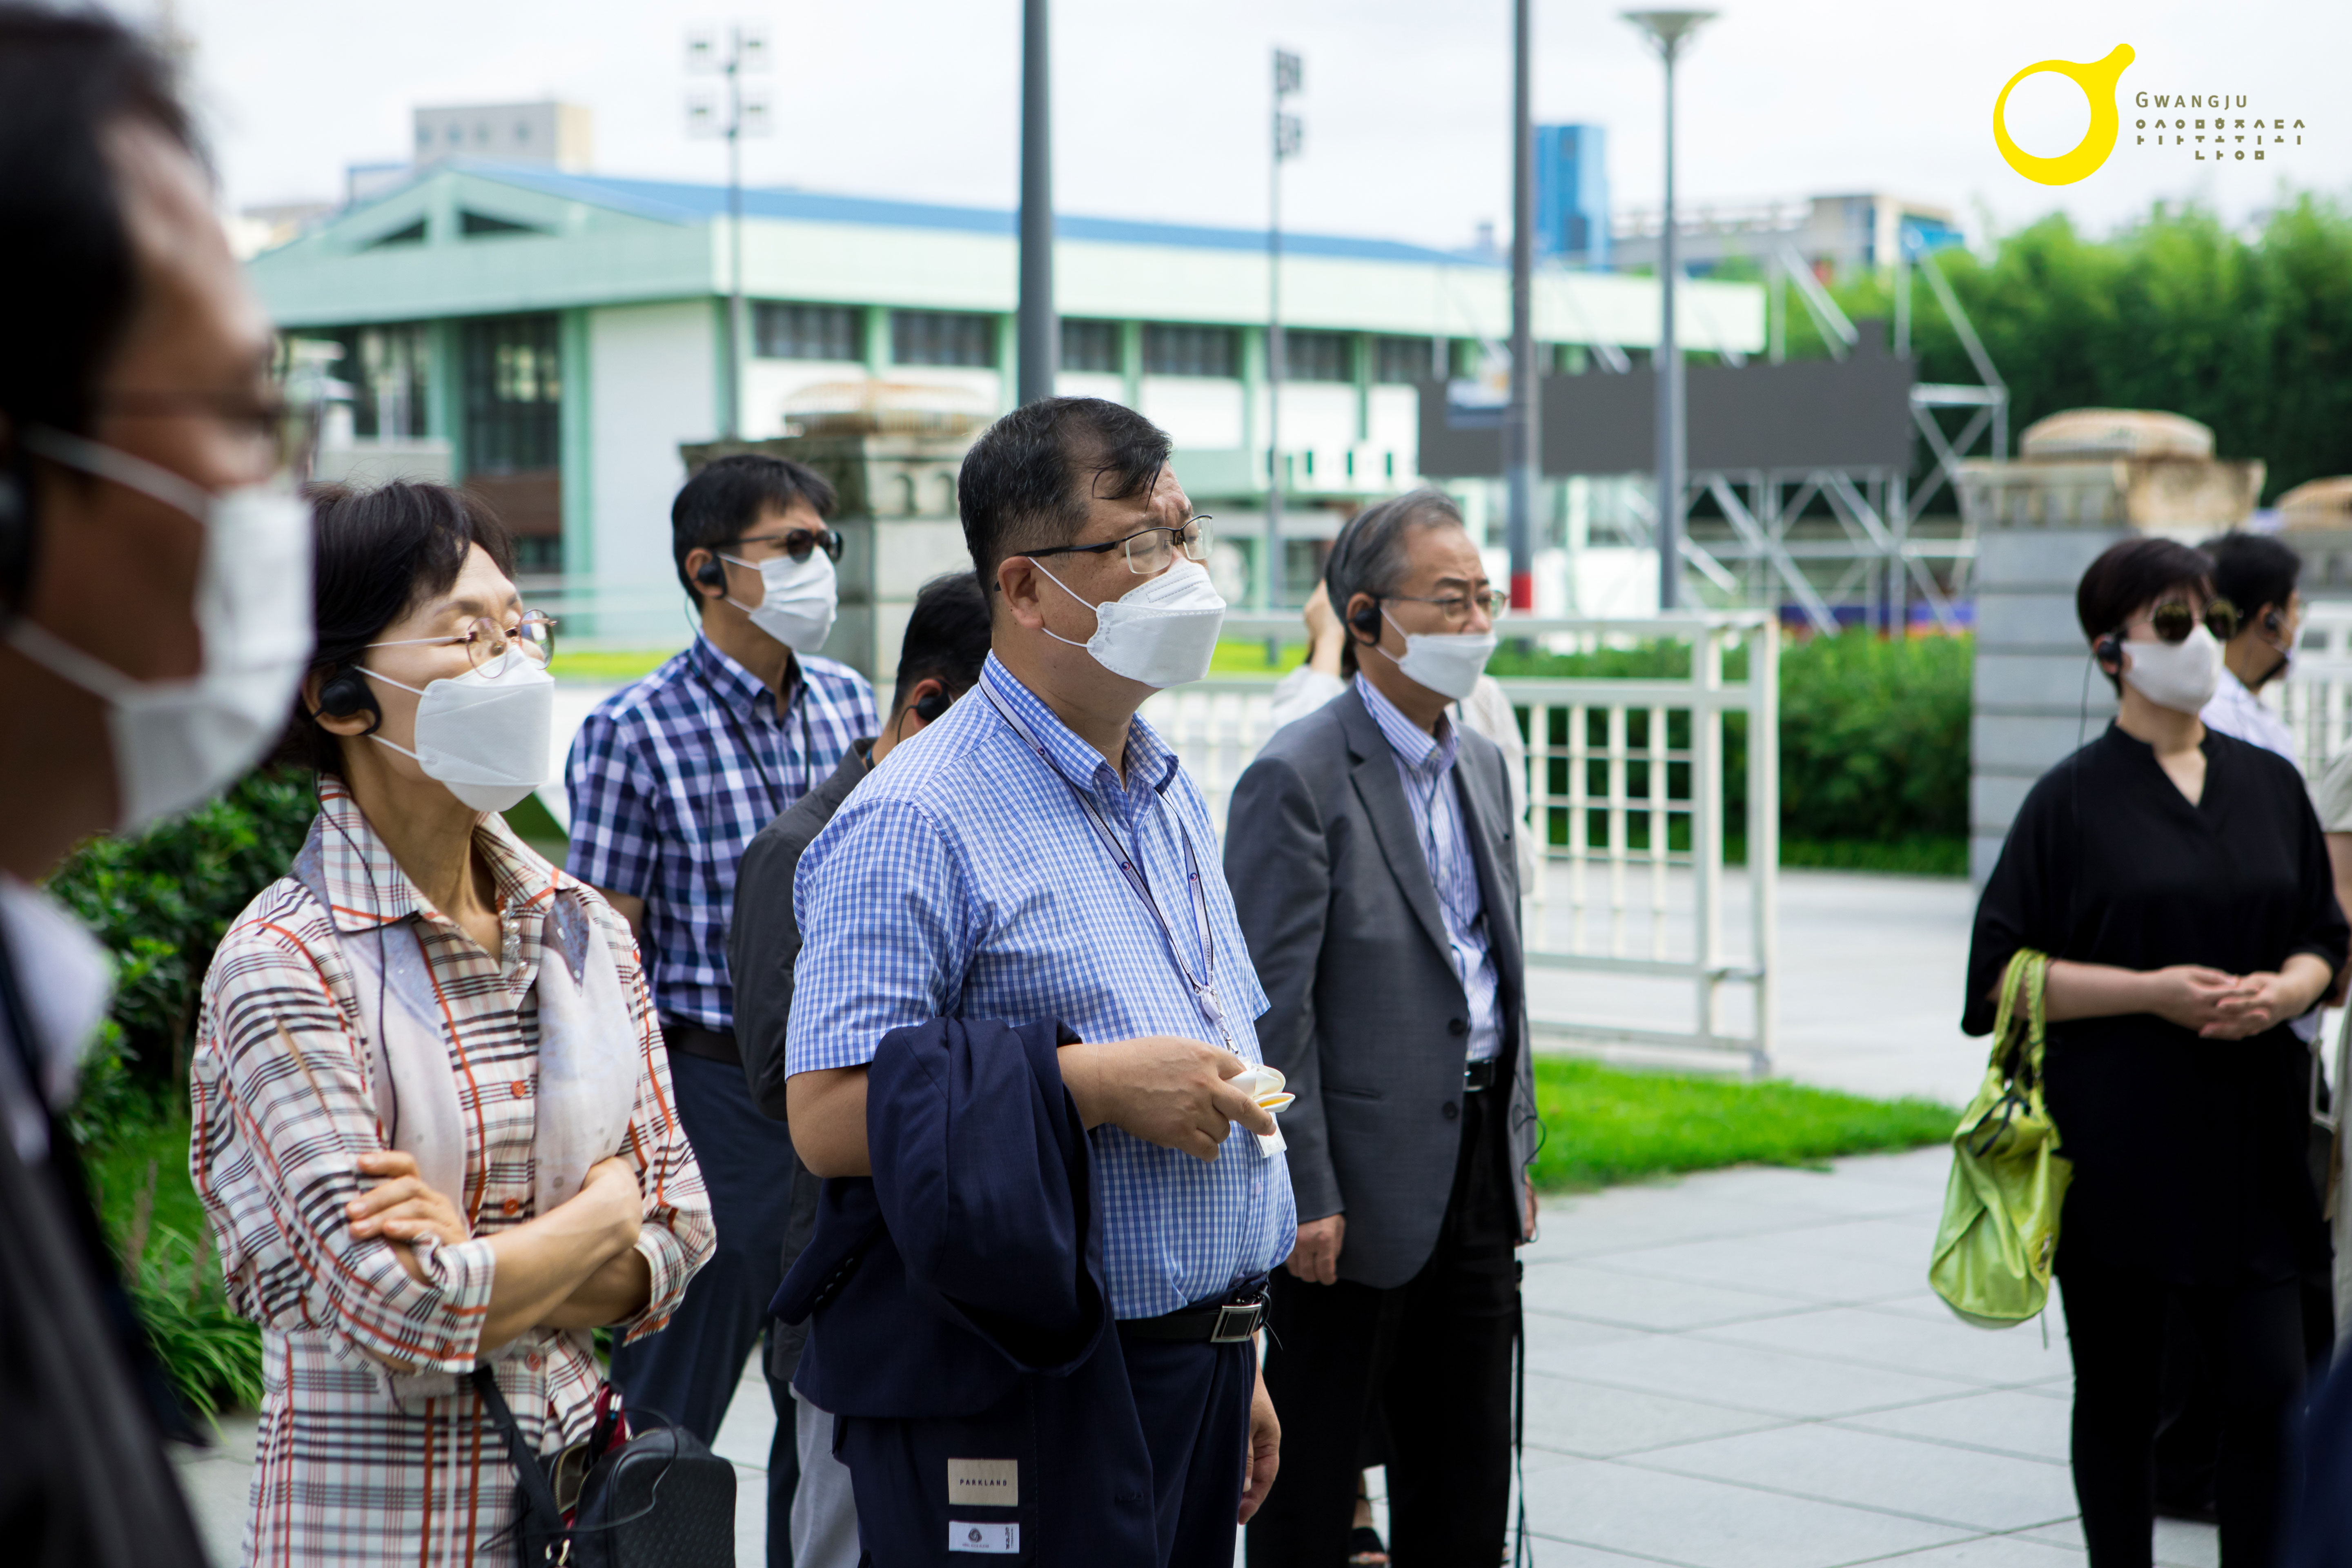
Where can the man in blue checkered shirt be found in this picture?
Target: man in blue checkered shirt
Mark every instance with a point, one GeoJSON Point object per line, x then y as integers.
{"type": "Point", "coordinates": [670, 779]}
{"type": "Point", "coordinates": [1039, 853]}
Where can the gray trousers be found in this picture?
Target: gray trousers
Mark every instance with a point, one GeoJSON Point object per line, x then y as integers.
{"type": "Point", "coordinates": [824, 1511]}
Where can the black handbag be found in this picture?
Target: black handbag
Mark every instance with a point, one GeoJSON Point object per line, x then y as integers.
{"type": "Point", "coordinates": [659, 1500]}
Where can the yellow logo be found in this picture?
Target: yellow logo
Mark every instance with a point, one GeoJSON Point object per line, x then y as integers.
{"type": "Point", "coordinates": [2098, 81]}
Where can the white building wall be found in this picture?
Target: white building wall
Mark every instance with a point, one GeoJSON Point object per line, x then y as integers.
{"type": "Point", "coordinates": [770, 383]}
{"type": "Point", "coordinates": [1318, 413]}
{"type": "Point", "coordinates": [653, 385]}
{"type": "Point", "coordinates": [1198, 411]}
{"type": "Point", "coordinates": [1106, 384]}
{"type": "Point", "coordinates": [1394, 419]}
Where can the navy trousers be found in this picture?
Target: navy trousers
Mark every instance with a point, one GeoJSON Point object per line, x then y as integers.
{"type": "Point", "coordinates": [691, 1370]}
{"type": "Point", "coordinates": [1158, 1427]}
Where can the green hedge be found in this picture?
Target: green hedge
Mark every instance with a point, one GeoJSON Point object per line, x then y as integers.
{"type": "Point", "coordinates": [1874, 744]}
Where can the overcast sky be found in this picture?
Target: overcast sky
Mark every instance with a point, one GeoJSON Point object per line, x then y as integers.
{"type": "Point", "coordinates": [1161, 109]}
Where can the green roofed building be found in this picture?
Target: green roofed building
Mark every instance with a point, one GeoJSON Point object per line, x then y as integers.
{"type": "Point", "coordinates": [551, 338]}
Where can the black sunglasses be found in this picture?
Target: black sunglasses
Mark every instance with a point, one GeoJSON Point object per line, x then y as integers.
{"type": "Point", "coordinates": [798, 542]}
{"type": "Point", "coordinates": [2173, 620]}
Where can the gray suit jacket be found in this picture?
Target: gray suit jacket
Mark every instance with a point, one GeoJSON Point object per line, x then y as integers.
{"type": "Point", "coordinates": [1370, 1023]}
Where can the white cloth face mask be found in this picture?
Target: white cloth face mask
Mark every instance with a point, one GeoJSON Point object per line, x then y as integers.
{"type": "Point", "coordinates": [1448, 663]}
{"type": "Point", "coordinates": [177, 742]}
{"type": "Point", "coordinates": [2181, 675]}
{"type": "Point", "coordinates": [1162, 633]}
{"type": "Point", "coordinates": [797, 598]}
{"type": "Point", "coordinates": [485, 734]}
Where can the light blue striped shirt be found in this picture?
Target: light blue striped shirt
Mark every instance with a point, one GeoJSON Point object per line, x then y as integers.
{"type": "Point", "coordinates": [1425, 764]}
{"type": "Point", "coordinates": [962, 879]}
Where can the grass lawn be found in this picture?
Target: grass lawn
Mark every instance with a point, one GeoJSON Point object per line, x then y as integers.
{"type": "Point", "coordinates": [1604, 1125]}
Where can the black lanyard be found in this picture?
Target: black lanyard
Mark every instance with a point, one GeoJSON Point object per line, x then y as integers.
{"type": "Point", "coordinates": [752, 753]}
{"type": "Point", "coordinates": [1204, 986]}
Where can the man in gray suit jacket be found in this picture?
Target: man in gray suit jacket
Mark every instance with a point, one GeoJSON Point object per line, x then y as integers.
{"type": "Point", "coordinates": [1369, 852]}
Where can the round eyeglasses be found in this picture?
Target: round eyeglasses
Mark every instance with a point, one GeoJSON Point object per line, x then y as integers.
{"type": "Point", "coordinates": [2173, 620]}
{"type": "Point", "coordinates": [486, 642]}
{"type": "Point", "coordinates": [1149, 551]}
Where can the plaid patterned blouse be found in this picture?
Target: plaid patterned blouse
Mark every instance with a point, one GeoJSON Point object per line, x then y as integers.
{"type": "Point", "coordinates": [670, 779]}
{"type": "Point", "coordinates": [370, 1450]}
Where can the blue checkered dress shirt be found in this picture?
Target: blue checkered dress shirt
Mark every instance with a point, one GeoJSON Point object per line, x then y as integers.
{"type": "Point", "coordinates": [962, 879]}
{"type": "Point", "coordinates": [670, 779]}
{"type": "Point", "coordinates": [1425, 762]}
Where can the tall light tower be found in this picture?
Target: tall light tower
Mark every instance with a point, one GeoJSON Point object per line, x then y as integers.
{"type": "Point", "coordinates": [1522, 429]}
{"type": "Point", "coordinates": [1669, 31]}
{"type": "Point", "coordinates": [1040, 330]}
{"type": "Point", "coordinates": [743, 113]}
{"type": "Point", "coordinates": [1289, 140]}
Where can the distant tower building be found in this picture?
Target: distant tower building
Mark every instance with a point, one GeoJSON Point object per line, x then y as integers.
{"type": "Point", "coordinates": [557, 133]}
{"type": "Point", "coordinates": [1572, 194]}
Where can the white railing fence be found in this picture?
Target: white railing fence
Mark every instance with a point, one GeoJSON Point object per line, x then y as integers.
{"type": "Point", "coordinates": [2315, 698]}
{"type": "Point", "coordinates": [1625, 787]}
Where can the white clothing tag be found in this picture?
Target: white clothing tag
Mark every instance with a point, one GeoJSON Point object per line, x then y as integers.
{"type": "Point", "coordinates": [991, 1483]}
{"type": "Point", "coordinates": [965, 1536]}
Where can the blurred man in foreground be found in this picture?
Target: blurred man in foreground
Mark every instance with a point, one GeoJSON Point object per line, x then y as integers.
{"type": "Point", "coordinates": [154, 622]}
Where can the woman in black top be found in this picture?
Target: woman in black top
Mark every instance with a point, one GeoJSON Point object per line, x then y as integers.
{"type": "Point", "coordinates": [2181, 884]}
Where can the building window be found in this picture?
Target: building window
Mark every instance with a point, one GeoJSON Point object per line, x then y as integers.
{"type": "Point", "coordinates": [1191, 351]}
{"type": "Point", "coordinates": [1090, 345]}
{"type": "Point", "coordinates": [514, 393]}
{"type": "Point", "coordinates": [388, 370]}
{"type": "Point", "coordinates": [942, 337]}
{"type": "Point", "coordinates": [1403, 360]}
{"type": "Point", "coordinates": [1319, 357]}
{"type": "Point", "coordinates": [804, 332]}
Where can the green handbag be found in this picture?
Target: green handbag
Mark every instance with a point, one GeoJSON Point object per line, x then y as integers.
{"type": "Point", "coordinates": [2000, 1233]}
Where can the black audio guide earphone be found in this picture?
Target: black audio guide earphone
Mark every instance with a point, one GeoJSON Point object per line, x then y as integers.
{"type": "Point", "coordinates": [711, 575]}
{"type": "Point", "coordinates": [2110, 652]}
{"type": "Point", "coordinates": [928, 708]}
{"type": "Point", "coordinates": [346, 692]}
{"type": "Point", "coordinates": [2271, 621]}
{"type": "Point", "coordinates": [1368, 620]}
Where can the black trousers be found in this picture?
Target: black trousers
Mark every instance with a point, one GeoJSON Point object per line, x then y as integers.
{"type": "Point", "coordinates": [691, 1370]}
{"type": "Point", "coordinates": [1433, 1354]}
{"type": "Point", "coordinates": [2250, 1339]}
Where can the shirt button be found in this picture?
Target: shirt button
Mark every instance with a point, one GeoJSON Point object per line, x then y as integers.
{"type": "Point", "coordinates": [534, 1361]}
{"type": "Point", "coordinates": [512, 1205]}
{"type": "Point", "coordinates": [1453, 1111]}
{"type": "Point", "coordinates": [519, 1089]}
{"type": "Point", "coordinates": [1456, 1027]}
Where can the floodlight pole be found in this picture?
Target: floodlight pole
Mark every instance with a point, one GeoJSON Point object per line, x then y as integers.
{"type": "Point", "coordinates": [1667, 31]}
{"type": "Point", "coordinates": [1039, 327]}
{"type": "Point", "coordinates": [1285, 143]}
{"type": "Point", "coordinates": [1522, 437]}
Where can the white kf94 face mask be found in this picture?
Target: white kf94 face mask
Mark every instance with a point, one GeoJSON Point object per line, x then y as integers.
{"type": "Point", "coordinates": [1162, 633]}
{"type": "Point", "coordinates": [1448, 663]}
{"type": "Point", "coordinates": [177, 742]}
{"type": "Point", "coordinates": [2181, 675]}
{"type": "Point", "coordinates": [797, 599]}
{"type": "Point", "coordinates": [485, 733]}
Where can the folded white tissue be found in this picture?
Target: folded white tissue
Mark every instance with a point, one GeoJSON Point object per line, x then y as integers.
{"type": "Point", "coordinates": [1264, 1085]}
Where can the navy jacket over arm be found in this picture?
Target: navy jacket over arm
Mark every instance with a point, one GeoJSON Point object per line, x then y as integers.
{"type": "Point", "coordinates": [973, 1255]}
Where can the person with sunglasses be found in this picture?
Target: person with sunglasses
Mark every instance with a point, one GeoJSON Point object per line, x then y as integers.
{"type": "Point", "coordinates": [432, 1124]}
{"type": "Point", "coordinates": [2178, 881]}
{"type": "Point", "coordinates": [670, 778]}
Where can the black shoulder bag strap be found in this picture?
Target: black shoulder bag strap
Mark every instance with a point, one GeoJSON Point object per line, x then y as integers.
{"type": "Point", "coordinates": [543, 1526]}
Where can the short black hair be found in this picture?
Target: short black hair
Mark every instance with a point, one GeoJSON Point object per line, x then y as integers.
{"type": "Point", "coordinates": [947, 637]}
{"type": "Point", "coordinates": [376, 553]}
{"type": "Point", "coordinates": [1369, 556]}
{"type": "Point", "coordinates": [67, 78]}
{"type": "Point", "coordinates": [2129, 576]}
{"type": "Point", "coordinates": [2252, 569]}
{"type": "Point", "coordinates": [727, 496]}
{"type": "Point", "coordinates": [1027, 481]}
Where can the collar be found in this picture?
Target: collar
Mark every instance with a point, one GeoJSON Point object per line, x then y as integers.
{"type": "Point", "coordinates": [1426, 755]}
{"type": "Point", "coordinates": [366, 887]}
{"type": "Point", "coordinates": [1148, 758]}
{"type": "Point", "coordinates": [737, 687]}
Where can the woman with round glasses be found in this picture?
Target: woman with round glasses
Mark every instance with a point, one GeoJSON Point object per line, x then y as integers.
{"type": "Point", "coordinates": [433, 1125]}
{"type": "Point", "coordinates": [2180, 883]}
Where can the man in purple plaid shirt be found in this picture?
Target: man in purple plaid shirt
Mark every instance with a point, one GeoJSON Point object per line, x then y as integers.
{"type": "Point", "coordinates": [669, 780]}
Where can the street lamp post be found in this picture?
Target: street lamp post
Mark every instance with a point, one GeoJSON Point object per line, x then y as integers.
{"type": "Point", "coordinates": [746, 114]}
{"type": "Point", "coordinates": [1289, 138]}
{"type": "Point", "coordinates": [1669, 31]}
{"type": "Point", "coordinates": [1522, 437]}
{"type": "Point", "coordinates": [1040, 330]}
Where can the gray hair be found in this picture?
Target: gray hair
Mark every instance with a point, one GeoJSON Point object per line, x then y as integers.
{"type": "Point", "coordinates": [1369, 556]}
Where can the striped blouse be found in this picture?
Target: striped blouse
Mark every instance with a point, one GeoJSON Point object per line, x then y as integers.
{"type": "Point", "coordinates": [371, 1449]}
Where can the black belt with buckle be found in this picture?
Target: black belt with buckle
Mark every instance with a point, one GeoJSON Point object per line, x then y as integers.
{"type": "Point", "coordinates": [711, 1045]}
{"type": "Point", "coordinates": [1478, 1076]}
{"type": "Point", "coordinates": [1229, 1324]}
